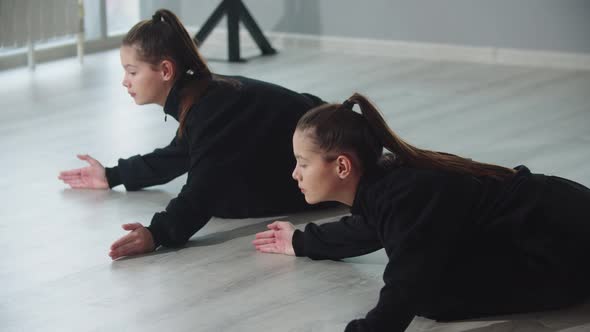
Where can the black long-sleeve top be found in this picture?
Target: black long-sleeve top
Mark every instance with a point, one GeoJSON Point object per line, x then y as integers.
{"type": "Point", "coordinates": [436, 227]}
{"type": "Point", "coordinates": [237, 150]}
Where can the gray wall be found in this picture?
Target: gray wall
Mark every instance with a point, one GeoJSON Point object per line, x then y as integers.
{"type": "Point", "coordinates": [550, 25]}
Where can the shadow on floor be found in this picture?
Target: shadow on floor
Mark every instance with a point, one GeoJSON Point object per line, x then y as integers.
{"type": "Point", "coordinates": [320, 215]}
{"type": "Point", "coordinates": [94, 196]}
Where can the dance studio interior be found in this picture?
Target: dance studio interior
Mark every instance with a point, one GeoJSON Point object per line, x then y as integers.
{"type": "Point", "coordinates": [500, 82]}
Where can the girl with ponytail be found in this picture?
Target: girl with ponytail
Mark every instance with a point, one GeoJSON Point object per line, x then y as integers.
{"type": "Point", "coordinates": [233, 139]}
{"type": "Point", "coordinates": [464, 239]}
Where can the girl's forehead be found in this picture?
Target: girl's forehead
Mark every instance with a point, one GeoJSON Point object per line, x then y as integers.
{"type": "Point", "coordinates": [127, 50]}
{"type": "Point", "coordinates": [305, 134]}
{"type": "Point", "coordinates": [305, 146]}
{"type": "Point", "coordinates": [130, 53]}
{"type": "Point", "coordinates": [302, 139]}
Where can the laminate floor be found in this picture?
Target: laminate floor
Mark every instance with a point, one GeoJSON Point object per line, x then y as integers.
{"type": "Point", "coordinates": [55, 272]}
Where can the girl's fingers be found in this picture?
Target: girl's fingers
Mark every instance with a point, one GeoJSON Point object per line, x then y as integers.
{"type": "Point", "coordinates": [69, 177]}
{"type": "Point", "coordinates": [265, 234]}
{"type": "Point", "coordinates": [88, 159]}
{"type": "Point", "coordinates": [268, 248]}
{"type": "Point", "coordinates": [278, 225]}
{"type": "Point", "coordinates": [72, 172]}
{"type": "Point", "coordinates": [131, 226]}
{"type": "Point", "coordinates": [73, 181]}
{"type": "Point", "coordinates": [127, 249]}
{"type": "Point", "coordinates": [122, 241]}
{"type": "Point", "coordinates": [258, 242]}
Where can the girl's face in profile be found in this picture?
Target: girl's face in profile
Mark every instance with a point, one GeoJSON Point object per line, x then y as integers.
{"type": "Point", "coordinates": [317, 178]}
{"type": "Point", "coordinates": [144, 83]}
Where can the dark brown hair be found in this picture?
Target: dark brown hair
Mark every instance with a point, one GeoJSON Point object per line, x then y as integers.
{"type": "Point", "coordinates": [336, 128]}
{"type": "Point", "coordinates": [165, 38]}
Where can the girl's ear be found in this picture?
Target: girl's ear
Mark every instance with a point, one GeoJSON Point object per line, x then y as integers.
{"type": "Point", "coordinates": [167, 69]}
{"type": "Point", "coordinates": [343, 166]}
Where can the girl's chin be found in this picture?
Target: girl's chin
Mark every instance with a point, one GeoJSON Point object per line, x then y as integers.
{"type": "Point", "coordinates": [310, 200]}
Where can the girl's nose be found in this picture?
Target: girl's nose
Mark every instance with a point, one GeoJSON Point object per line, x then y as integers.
{"type": "Point", "coordinates": [125, 81]}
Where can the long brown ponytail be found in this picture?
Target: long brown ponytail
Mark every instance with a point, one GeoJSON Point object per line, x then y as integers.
{"type": "Point", "coordinates": [336, 128]}
{"type": "Point", "coordinates": [165, 38]}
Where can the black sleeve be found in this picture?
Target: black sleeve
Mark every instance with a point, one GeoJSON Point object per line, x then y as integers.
{"type": "Point", "coordinates": [206, 181]}
{"type": "Point", "coordinates": [391, 313]}
{"type": "Point", "coordinates": [421, 231]}
{"type": "Point", "coordinates": [187, 213]}
{"type": "Point", "coordinates": [158, 167]}
{"type": "Point", "coordinates": [350, 236]}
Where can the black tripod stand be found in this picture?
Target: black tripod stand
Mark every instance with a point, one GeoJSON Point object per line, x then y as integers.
{"type": "Point", "coordinates": [235, 11]}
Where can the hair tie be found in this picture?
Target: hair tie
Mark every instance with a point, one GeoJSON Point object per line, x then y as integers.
{"type": "Point", "coordinates": [348, 104]}
{"type": "Point", "coordinates": [190, 72]}
{"type": "Point", "coordinates": [157, 17]}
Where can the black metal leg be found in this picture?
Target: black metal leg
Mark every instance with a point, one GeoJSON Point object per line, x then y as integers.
{"type": "Point", "coordinates": [255, 31]}
{"type": "Point", "coordinates": [233, 30]}
{"type": "Point", "coordinates": [235, 11]}
{"type": "Point", "coordinates": [211, 22]}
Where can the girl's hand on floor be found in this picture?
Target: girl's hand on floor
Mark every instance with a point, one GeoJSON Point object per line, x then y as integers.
{"type": "Point", "coordinates": [277, 239]}
{"type": "Point", "coordinates": [89, 177]}
{"type": "Point", "coordinates": [138, 241]}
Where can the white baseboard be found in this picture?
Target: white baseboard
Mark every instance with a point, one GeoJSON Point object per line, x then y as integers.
{"type": "Point", "coordinates": [417, 50]}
